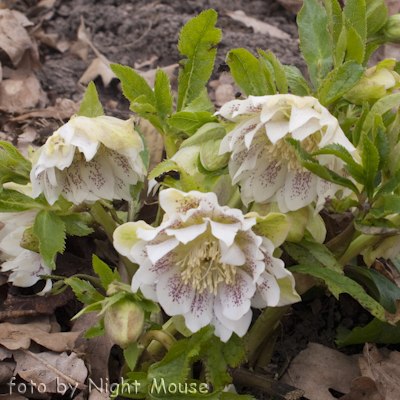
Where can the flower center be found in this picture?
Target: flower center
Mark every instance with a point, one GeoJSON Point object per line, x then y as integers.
{"type": "Point", "coordinates": [282, 150]}
{"type": "Point", "coordinates": [201, 267]}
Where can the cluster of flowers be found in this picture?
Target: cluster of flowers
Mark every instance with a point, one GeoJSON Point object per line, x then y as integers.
{"type": "Point", "coordinates": [204, 261]}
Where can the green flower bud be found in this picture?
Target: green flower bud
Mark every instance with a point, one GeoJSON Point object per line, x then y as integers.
{"type": "Point", "coordinates": [377, 82]}
{"type": "Point", "coordinates": [209, 131]}
{"type": "Point", "coordinates": [124, 322]}
{"type": "Point", "coordinates": [29, 240]}
{"type": "Point", "coordinates": [392, 28]}
{"type": "Point", "coordinates": [209, 155]}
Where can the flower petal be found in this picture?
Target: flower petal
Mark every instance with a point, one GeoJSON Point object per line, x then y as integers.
{"type": "Point", "coordinates": [268, 288]}
{"type": "Point", "coordinates": [300, 189]}
{"type": "Point", "coordinates": [157, 251]}
{"type": "Point", "coordinates": [232, 255]}
{"type": "Point", "coordinates": [186, 235]}
{"type": "Point", "coordinates": [224, 232]}
{"type": "Point", "coordinates": [176, 297]}
{"type": "Point", "coordinates": [201, 311]}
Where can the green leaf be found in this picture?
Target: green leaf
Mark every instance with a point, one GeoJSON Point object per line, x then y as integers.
{"type": "Point", "coordinates": [338, 284]}
{"type": "Point", "coordinates": [355, 48]}
{"type": "Point", "coordinates": [360, 122]}
{"type": "Point", "coordinates": [209, 131]}
{"type": "Point", "coordinates": [113, 299]}
{"type": "Point", "coordinates": [103, 271]}
{"type": "Point", "coordinates": [149, 305]}
{"type": "Point", "coordinates": [315, 42]}
{"type": "Point", "coordinates": [134, 85]}
{"type": "Point", "coordinates": [174, 367]}
{"type": "Point", "coordinates": [147, 111]}
{"type": "Point", "coordinates": [280, 76]}
{"type": "Point", "coordinates": [377, 227]}
{"type": "Point", "coordinates": [234, 396]}
{"type": "Point", "coordinates": [50, 230]}
{"type": "Point", "coordinates": [312, 165]}
{"type": "Point", "coordinates": [164, 166]}
{"type": "Point", "coordinates": [370, 49]}
{"type": "Point", "coordinates": [202, 103]}
{"type": "Point", "coordinates": [164, 96]}
{"type": "Point", "coordinates": [340, 152]}
{"type": "Point", "coordinates": [77, 224]}
{"type": "Point", "coordinates": [131, 355]}
{"type": "Point", "coordinates": [95, 331]}
{"type": "Point", "coordinates": [312, 253]}
{"type": "Point", "coordinates": [375, 332]}
{"type": "Point", "coordinates": [297, 84]}
{"type": "Point", "coordinates": [355, 14]}
{"type": "Point", "coordinates": [381, 142]}
{"type": "Point", "coordinates": [13, 201]}
{"type": "Point", "coordinates": [84, 291]}
{"type": "Point", "coordinates": [390, 186]}
{"type": "Point", "coordinates": [376, 15]}
{"type": "Point", "coordinates": [197, 42]}
{"type": "Point", "coordinates": [340, 50]}
{"type": "Point", "coordinates": [339, 81]}
{"type": "Point", "coordinates": [379, 108]}
{"type": "Point", "coordinates": [91, 106]}
{"type": "Point", "coordinates": [378, 286]}
{"type": "Point", "coordinates": [392, 204]}
{"type": "Point", "coordinates": [92, 307]}
{"type": "Point", "coordinates": [370, 160]}
{"type": "Point", "coordinates": [334, 12]}
{"type": "Point", "coordinates": [268, 71]}
{"type": "Point", "coordinates": [189, 122]}
{"type": "Point", "coordinates": [247, 72]}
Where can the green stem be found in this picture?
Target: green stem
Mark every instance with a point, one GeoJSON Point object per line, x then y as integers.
{"type": "Point", "coordinates": [170, 146]}
{"type": "Point", "coordinates": [235, 201]}
{"type": "Point", "coordinates": [264, 325]}
{"type": "Point", "coordinates": [131, 211]}
{"type": "Point", "coordinates": [155, 347]}
{"type": "Point", "coordinates": [162, 337]}
{"type": "Point", "coordinates": [340, 243]}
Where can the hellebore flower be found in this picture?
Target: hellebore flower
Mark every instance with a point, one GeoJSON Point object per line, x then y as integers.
{"type": "Point", "coordinates": [26, 265]}
{"type": "Point", "coordinates": [89, 159]}
{"type": "Point", "coordinates": [205, 263]}
{"type": "Point", "coordinates": [265, 164]}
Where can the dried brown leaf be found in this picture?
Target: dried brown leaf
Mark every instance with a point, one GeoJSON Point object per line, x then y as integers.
{"type": "Point", "coordinates": [318, 369]}
{"type": "Point", "coordinates": [98, 67]}
{"type": "Point", "coordinates": [258, 26]}
{"type": "Point", "coordinates": [14, 337]}
{"type": "Point", "coordinates": [32, 370]}
{"type": "Point", "coordinates": [363, 388]}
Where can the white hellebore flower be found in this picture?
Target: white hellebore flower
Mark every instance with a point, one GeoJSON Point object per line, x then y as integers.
{"type": "Point", "coordinates": [26, 265]}
{"type": "Point", "coordinates": [89, 159]}
{"type": "Point", "coordinates": [265, 164]}
{"type": "Point", "coordinates": [205, 263]}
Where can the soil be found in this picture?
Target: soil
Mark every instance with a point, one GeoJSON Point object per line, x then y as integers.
{"type": "Point", "coordinates": [133, 31]}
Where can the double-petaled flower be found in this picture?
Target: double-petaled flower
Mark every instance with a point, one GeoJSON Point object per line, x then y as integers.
{"type": "Point", "coordinates": [89, 159]}
{"type": "Point", "coordinates": [26, 266]}
{"type": "Point", "coordinates": [205, 262]}
{"type": "Point", "coordinates": [265, 164]}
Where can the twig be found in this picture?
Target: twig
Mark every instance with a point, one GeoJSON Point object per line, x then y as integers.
{"type": "Point", "coordinates": [71, 381]}
{"type": "Point", "coordinates": [5, 315]}
{"type": "Point", "coordinates": [267, 384]}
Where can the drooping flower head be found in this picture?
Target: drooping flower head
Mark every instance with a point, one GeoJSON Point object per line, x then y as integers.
{"type": "Point", "coordinates": [265, 164]}
{"type": "Point", "coordinates": [26, 265]}
{"type": "Point", "coordinates": [204, 262]}
{"type": "Point", "coordinates": [89, 159]}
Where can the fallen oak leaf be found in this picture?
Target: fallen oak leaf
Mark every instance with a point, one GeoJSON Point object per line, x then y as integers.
{"type": "Point", "coordinates": [363, 388]}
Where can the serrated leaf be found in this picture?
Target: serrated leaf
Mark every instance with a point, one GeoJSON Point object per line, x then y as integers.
{"type": "Point", "coordinates": [355, 48]}
{"type": "Point", "coordinates": [111, 300]}
{"type": "Point", "coordinates": [375, 332]}
{"type": "Point", "coordinates": [202, 103]}
{"type": "Point", "coordinates": [355, 14]}
{"type": "Point", "coordinates": [149, 305]}
{"type": "Point", "coordinates": [103, 271]}
{"type": "Point", "coordinates": [313, 166]}
{"type": "Point", "coordinates": [131, 355]}
{"type": "Point", "coordinates": [380, 108]}
{"type": "Point", "coordinates": [378, 286]}
{"type": "Point", "coordinates": [297, 84]}
{"type": "Point", "coordinates": [341, 45]}
{"type": "Point", "coordinates": [247, 72]}
{"type": "Point", "coordinates": [370, 49]}
{"type": "Point", "coordinates": [91, 106]}
{"type": "Point", "coordinates": [164, 96]}
{"type": "Point", "coordinates": [174, 367]}
{"type": "Point", "coordinates": [84, 291]}
{"type": "Point", "coordinates": [340, 152]}
{"type": "Point", "coordinates": [13, 201]}
{"type": "Point", "coordinates": [392, 203]}
{"type": "Point", "coordinates": [376, 227]}
{"type": "Point", "coordinates": [389, 186]}
{"type": "Point", "coordinates": [339, 81]}
{"type": "Point", "coordinates": [376, 14]}
{"type": "Point", "coordinates": [209, 131]}
{"type": "Point", "coordinates": [96, 330]}
{"type": "Point", "coordinates": [189, 122]}
{"type": "Point", "coordinates": [164, 166]}
{"type": "Point", "coordinates": [77, 224]}
{"type": "Point", "coordinates": [268, 71]}
{"type": "Point", "coordinates": [370, 160]}
{"type": "Point", "coordinates": [149, 112]}
{"type": "Point", "coordinates": [133, 85]}
{"type": "Point", "coordinates": [50, 230]}
{"type": "Point", "coordinates": [381, 143]}
{"type": "Point", "coordinates": [356, 134]}
{"type": "Point", "coordinates": [338, 284]}
{"type": "Point", "coordinates": [280, 76]}
{"type": "Point", "coordinates": [334, 12]}
{"type": "Point", "coordinates": [315, 43]}
{"type": "Point", "coordinates": [196, 41]}
{"type": "Point", "coordinates": [92, 307]}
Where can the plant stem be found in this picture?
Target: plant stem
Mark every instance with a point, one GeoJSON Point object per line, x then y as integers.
{"type": "Point", "coordinates": [358, 245]}
{"type": "Point", "coordinates": [170, 146]}
{"type": "Point", "coordinates": [340, 243]}
{"type": "Point", "coordinates": [264, 325]}
{"type": "Point", "coordinates": [162, 337]}
{"type": "Point", "coordinates": [155, 347]}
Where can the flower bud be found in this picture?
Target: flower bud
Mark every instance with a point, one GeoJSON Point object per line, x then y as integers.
{"type": "Point", "coordinates": [377, 82]}
{"type": "Point", "coordinates": [211, 130]}
{"type": "Point", "coordinates": [392, 28]}
{"type": "Point", "coordinates": [124, 322]}
{"type": "Point", "coordinates": [29, 240]}
{"type": "Point", "coordinates": [209, 155]}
